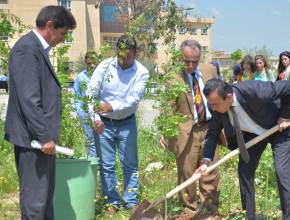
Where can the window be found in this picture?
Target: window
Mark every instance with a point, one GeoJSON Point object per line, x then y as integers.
{"type": "Point", "coordinates": [204, 49]}
{"type": "Point", "coordinates": [109, 13]}
{"type": "Point", "coordinates": [204, 31]}
{"type": "Point", "coordinates": [155, 46]}
{"type": "Point", "coordinates": [3, 1]}
{"type": "Point", "coordinates": [112, 41]}
{"type": "Point", "coordinates": [193, 31]}
{"type": "Point", "coordinates": [4, 36]}
{"type": "Point", "coordinates": [69, 37]}
{"type": "Point", "coordinates": [65, 3]}
{"type": "Point", "coordinates": [182, 31]}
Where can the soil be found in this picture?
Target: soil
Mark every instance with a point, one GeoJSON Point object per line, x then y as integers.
{"type": "Point", "coordinates": [187, 215]}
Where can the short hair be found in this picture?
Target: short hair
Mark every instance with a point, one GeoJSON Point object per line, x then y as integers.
{"type": "Point", "coordinates": [91, 54]}
{"type": "Point", "coordinates": [127, 42]}
{"type": "Point", "coordinates": [59, 15]}
{"type": "Point", "coordinates": [191, 43]}
{"type": "Point", "coordinates": [222, 88]}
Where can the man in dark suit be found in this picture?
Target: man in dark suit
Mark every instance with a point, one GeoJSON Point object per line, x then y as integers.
{"type": "Point", "coordinates": [34, 110]}
{"type": "Point", "coordinates": [256, 106]}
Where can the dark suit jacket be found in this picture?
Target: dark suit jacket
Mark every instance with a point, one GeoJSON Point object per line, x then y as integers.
{"type": "Point", "coordinates": [264, 102]}
{"type": "Point", "coordinates": [34, 106]}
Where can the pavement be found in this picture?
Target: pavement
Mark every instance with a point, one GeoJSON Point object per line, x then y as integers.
{"type": "Point", "coordinates": [145, 110]}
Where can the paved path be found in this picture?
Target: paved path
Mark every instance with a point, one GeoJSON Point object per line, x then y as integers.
{"type": "Point", "coordinates": [144, 109]}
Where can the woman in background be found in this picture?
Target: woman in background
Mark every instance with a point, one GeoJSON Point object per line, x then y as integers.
{"type": "Point", "coordinates": [284, 66]}
{"type": "Point", "coordinates": [247, 69]}
{"type": "Point", "coordinates": [217, 69]}
{"type": "Point", "coordinates": [263, 71]}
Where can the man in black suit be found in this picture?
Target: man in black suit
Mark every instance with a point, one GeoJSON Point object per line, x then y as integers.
{"type": "Point", "coordinates": [257, 106]}
{"type": "Point", "coordinates": [34, 110]}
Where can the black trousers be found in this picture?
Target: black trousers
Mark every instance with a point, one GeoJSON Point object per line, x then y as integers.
{"type": "Point", "coordinates": [36, 174]}
{"type": "Point", "coordinates": [281, 152]}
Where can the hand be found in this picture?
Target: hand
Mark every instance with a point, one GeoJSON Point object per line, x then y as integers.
{"type": "Point", "coordinates": [202, 169]}
{"type": "Point", "coordinates": [99, 127]}
{"type": "Point", "coordinates": [106, 108]}
{"type": "Point", "coordinates": [49, 147]}
{"type": "Point", "coordinates": [283, 124]}
{"type": "Point", "coordinates": [163, 143]}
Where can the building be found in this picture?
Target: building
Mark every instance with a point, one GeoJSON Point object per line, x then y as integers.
{"type": "Point", "coordinates": [224, 60]}
{"type": "Point", "coordinates": [97, 24]}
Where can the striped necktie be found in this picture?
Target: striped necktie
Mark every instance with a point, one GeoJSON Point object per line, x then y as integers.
{"type": "Point", "coordinates": [198, 100]}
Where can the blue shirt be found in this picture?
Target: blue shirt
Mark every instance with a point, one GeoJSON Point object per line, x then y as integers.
{"type": "Point", "coordinates": [80, 86]}
{"type": "Point", "coordinates": [123, 89]}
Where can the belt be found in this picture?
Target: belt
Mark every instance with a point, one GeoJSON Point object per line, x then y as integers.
{"type": "Point", "coordinates": [198, 124]}
{"type": "Point", "coordinates": [117, 120]}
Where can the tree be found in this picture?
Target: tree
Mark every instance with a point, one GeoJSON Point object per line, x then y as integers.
{"type": "Point", "coordinates": [9, 26]}
{"type": "Point", "coordinates": [237, 55]}
{"type": "Point", "coordinates": [265, 51]}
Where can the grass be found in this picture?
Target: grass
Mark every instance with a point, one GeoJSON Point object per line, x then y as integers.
{"type": "Point", "coordinates": [152, 183]}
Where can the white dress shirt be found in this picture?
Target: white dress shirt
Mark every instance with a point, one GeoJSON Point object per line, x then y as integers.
{"type": "Point", "coordinates": [123, 89]}
{"type": "Point", "coordinates": [246, 123]}
{"type": "Point", "coordinates": [198, 76]}
{"type": "Point", "coordinates": [43, 42]}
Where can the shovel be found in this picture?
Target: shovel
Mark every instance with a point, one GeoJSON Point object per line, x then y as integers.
{"type": "Point", "coordinates": [146, 210]}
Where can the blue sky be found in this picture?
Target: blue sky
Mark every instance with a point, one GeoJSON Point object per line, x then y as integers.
{"type": "Point", "coordinates": [246, 23]}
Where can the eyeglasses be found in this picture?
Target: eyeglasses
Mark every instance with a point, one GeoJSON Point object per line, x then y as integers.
{"type": "Point", "coordinates": [89, 63]}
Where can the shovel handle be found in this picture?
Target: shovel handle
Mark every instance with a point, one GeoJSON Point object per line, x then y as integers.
{"type": "Point", "coordinates": [223, 160]}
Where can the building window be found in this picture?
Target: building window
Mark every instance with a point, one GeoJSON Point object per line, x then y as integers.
{"type": "Point", "coordinates": [69, 37]}
{"type": "Point", "coordinates": [204, 49]}
{"type": "Point", "coordinates": [112, 41]}
{"type": "Point", "coordinates": [155, 46]}
{"type": "Point", "coordinates": [182, 31]}
{"type": "Point", "coordinates": [65, 3]}
{"type": "Point", "coordinates": [109, 13]}
{"type": "Point", "coordinates": [4, 36]}
{"type": "Point", "coordinates": [193, 31]}
{"type": "Point", "coordinates": [3, 1]}
{"type": "Point", "coordinates": [204, 31]}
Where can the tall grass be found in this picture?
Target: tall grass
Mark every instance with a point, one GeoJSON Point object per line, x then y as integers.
{"type": "Point", "coordinates": [152, 183]}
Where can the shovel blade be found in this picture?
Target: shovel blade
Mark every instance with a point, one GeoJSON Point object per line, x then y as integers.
{"type": "Point", "coordinates": [141, 212]}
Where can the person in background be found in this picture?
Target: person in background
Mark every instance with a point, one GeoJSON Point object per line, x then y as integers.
{"type": "Point", "coordinates": [234, 77]}
{"type": "Point", "coordinates": [247, 69]}
{"type": "Point", "coordinates": [80, 87]}
{"type": "Point", "coordinates": [284, 66]}
{"type": "Point", "coordinates": [5, 78]}
{"type": "Point", "coordinates": [263, 72]}
{"type": "Point", "coordinates": [118, 83]}
{"type": "Point", "coordinates": [217, 69]}
{"type": "Point", "coordinates": [188, 145]}
{"type": "Point", "coordinates": [35, 110]}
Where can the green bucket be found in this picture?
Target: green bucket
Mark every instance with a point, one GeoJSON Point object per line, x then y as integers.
{"type": "Point", "coordinates": [75, 189]}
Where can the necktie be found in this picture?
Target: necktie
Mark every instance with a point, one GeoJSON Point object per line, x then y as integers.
{"type": "Point", "coordinates": [240, 138]}
{"type": "Point", "coordinates": [198, 100]}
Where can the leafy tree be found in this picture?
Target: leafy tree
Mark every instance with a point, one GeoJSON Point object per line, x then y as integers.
{"type": "Point", "coordinates": [237, 55]}
{"type": "Point", "coordinates": [9, 26]}
{"type": "Point", "coordinates": [265, 51]}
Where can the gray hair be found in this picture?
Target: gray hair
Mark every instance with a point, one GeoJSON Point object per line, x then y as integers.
{"type": "Point", "coordinates": [191, 43]}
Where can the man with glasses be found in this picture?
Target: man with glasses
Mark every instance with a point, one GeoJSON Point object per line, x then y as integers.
{"type": "Point", "coordinates": [188, 145]}
{"type": "Point", "coordinates": [80, 87]}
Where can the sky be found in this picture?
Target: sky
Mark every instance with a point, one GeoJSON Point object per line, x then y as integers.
{"type": "Point", "coordinates": [243, 24]}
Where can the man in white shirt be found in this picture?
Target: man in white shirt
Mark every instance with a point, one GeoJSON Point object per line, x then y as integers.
{"type": "Point", "coordinates": [256, 106]}
{"type": "Point", "coordinates": [118, 83]}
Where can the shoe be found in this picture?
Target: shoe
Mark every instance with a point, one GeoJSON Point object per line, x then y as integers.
{"type": "Point", "coordinates": [112, 211]}
{"type": "Point", "coordinates": [133, 208]}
